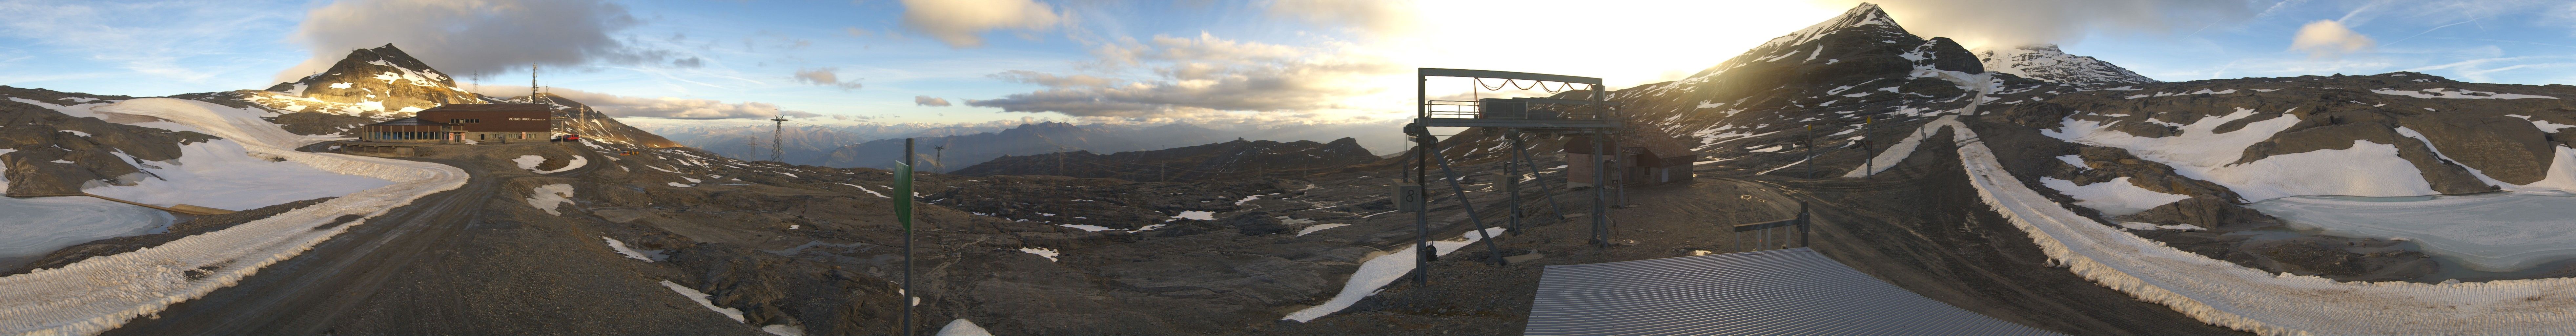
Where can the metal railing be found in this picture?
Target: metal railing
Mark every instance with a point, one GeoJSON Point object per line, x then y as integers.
{"type": "Point", "coordinates": [1778, 234]}
{"type": "Point", "coordinates": [1522, 108]}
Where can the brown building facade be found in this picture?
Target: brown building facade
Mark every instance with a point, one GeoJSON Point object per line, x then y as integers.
{"type": "Point", "coordinates": [406, 130]}
{"type": "Point", "coordinates": [1642, 159]}
{"type": "Point", "coordinates": [493, 121]}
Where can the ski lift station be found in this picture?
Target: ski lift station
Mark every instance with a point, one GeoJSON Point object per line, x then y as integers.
{"type": "Point", "coordinates": [453, 124]}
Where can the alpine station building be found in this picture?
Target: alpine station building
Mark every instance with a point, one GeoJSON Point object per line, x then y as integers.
{"type": "Point", "coordinates": [456, 123]}
{"type": "Point", "coordinates": [504, 122]}
{"type": "Point", "coordinates": [1641, 161]}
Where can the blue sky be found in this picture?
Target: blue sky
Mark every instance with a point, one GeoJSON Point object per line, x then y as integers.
{"type": "Point", "coordinates": [1207, 61]}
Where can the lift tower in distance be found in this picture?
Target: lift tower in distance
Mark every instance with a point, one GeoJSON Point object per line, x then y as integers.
{"type": "Point", "coordinates": [1593, 116]}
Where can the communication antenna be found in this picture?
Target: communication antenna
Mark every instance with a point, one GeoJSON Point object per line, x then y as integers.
{"type": "Point", "coordinates": [777, 139]}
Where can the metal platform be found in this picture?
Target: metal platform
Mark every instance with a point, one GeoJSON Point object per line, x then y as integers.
{"type": "Point", "coordinates": [1537, 115]}
{"type": "Point", "coordinates": [1529, 125]}
{"type": "Point", "coordinates": [1777, 292]}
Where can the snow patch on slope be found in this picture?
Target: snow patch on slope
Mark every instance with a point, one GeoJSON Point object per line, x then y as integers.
{"type": "Point", "coordinates": [2456, 94]}
{"type": "Point", "coordinates": [529, 162]}
{"type": "Point", "coordinates": [2116, 197]}
{"type": "Point", "coordinates": [548, 197]}
{"type": "Point", "coordinates": [2225, 294]}
{"type": "Point", "coordinates": [1903, 148]}
{"type": "Point", "coordinates": [701, 298]}
{"type": "Point", "coordinates": [2201, 153]}
{"type": "Point", "coordinates": [621, 248]}
{"type": "Point", "coordinates": [1379, 271]}
{"type": "Point", "coordinates": [961, 327]}
{"type": "Point", "coordinates": [101, 293]}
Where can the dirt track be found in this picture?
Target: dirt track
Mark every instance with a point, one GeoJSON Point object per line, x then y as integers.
{"type": "Point", "coordinates": [449, 263]}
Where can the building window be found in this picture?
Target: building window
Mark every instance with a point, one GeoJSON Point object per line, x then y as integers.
{"type": "Point", "coordinates": [465, 121]}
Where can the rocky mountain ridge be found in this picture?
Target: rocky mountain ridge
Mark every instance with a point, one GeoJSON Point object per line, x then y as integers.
{"type": "Point", "coordinates": [383, 79]}
{"type": "Point", "coordinates": [1798, 107]}
{"type": "Point", "coordinates": [1226, 160]}
{"type": "Point", "coordinates": [1026, 139]}
{"type": "Point", "coordinates": [2046, 63]}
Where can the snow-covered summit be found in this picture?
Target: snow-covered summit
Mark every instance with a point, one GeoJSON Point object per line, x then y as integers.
{"type": "Point", "coordinates": [2045, 62]}
{"type": "Point", "coordinates": [384, 77]}
{"type": "Point", "coordinates": [1866, 14]}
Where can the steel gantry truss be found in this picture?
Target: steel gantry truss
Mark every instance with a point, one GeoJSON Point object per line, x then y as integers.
{"type": "Point", "coordinates": [1515, 117]}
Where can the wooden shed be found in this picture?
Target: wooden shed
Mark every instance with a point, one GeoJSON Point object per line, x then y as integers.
{"type": "Point", "coordinates": [1642, 159]}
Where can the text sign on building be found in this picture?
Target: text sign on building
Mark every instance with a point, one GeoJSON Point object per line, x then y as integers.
{"type": "Point", "coordinates": [525, 119]}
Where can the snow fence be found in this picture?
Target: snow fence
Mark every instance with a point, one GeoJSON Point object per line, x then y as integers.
{"type": "Point", "coordinates": [2225, 294]}
{"type": "Point", "coordinates": [101, 293]}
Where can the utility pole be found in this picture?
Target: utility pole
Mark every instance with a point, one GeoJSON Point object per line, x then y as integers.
{"type": "Point", "coordinates": [778, 149]}
{"type": "Point", "coordinates": [1422, 250]}
{"type": "Point", "coordinates": [907, 236]}
{"type": "Point", "coordinates": [939, 165]}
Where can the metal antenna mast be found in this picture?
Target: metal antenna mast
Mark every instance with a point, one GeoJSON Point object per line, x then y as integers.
{"type": "Point", "coordinates": [939, 166]}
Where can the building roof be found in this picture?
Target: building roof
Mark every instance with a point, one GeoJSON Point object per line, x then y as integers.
{"type": "Point", "coordinates": [491, 108]}
{"type": "Point", "coordinates": [411, 121]}
{"type": "Point", "coordinates": [1777, 292]}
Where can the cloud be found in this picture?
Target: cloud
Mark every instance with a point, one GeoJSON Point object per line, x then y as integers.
{"type": "Point", "coordinates": [167, 42]}
{"type": "Point", "coordinates": [691, 62]}
{"type": "Point", "coordinates": [1206, 75]}
{"type": "Point", "coordinates": [2330, 39]}
{"type": "Point", "coordinates": [1993, 24]}
{"type": "Point", "coordinates": [929, 101]}
{"type": "Point", "coordinates": [473, 37]}
{"type": "Point", "coordinates": [823, 76]}
{"type": "Point", "coordinates": [961, 22]}
{"type": "Point", "coordinates": [666, 107]}
{"type": "Point", "coordinates": [1376, 18]}
{"type": "Point", "coordinates": [1051, 80]}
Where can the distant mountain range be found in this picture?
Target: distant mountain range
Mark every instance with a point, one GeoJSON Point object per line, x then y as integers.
{"type": "Point", "coordinates": [877, 145]}
{"type": "Point", "coordinates": [1226, 160]}
{"type": "Point", "coordinates": [2045, 63]}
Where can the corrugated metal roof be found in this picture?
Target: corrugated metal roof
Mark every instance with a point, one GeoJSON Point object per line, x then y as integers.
{"type": "Point", "coordinates": [490, 107]}
{"type": "Point", "coordinates": [1776, 292]}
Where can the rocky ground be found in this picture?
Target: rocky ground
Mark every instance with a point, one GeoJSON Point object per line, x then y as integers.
{"type": "Point", "coordinates": [49, 153]}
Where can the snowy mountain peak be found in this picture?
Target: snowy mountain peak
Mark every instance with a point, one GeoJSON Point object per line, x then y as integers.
{"type": "Point", "coordinates": [2045, 62]}
{"type": "Point", "coordinates": [381, 76]}
{"type": "Point", "coordinates": [1866, 14]}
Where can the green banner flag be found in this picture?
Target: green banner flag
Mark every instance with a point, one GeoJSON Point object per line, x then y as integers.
{"type": "Point", "coordinates": [903, 195]}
